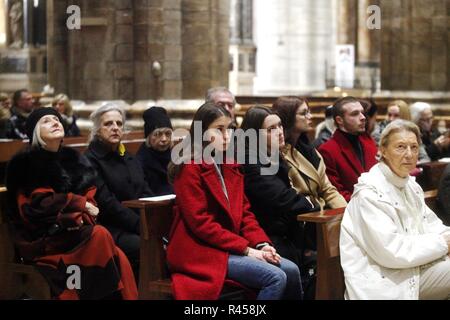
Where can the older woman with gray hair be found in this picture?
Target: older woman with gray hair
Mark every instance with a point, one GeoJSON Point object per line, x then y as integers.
{"type": "Point", "coordinates": [120, 178]}
{"type": "Point", "coordinates": [392, 245]}
{"type": "Point", "coordinates": [437, 145]}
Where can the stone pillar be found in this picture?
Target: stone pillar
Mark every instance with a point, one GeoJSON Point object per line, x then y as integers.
{"type": "Point", "coordinates": [367, 48]}
{"type": "Point", "coordinates": [57, 66]}
{"type": "Point", "coordinates": [111, 56]}
{"type": "Point", "coordinates": [415, 45]}
{"type": "Point", "coordinates": [157, 39]}
{"type": "Point", "coordinates": [205, 41]}
{"type": "Point", "coordinates": [347, 21]}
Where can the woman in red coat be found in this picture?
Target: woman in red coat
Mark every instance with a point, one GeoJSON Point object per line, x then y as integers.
{"type": "Point", "coordinates": [215, 238]}
{"type": "Point", "coordinates": [51, 198]}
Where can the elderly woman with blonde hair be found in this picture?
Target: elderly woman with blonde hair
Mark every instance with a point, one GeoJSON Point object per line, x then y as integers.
{"type": "Point", "coordinates": [61, 103]}
{"type": "Point", "coordinates": [397, 109]}
{"type": "Point", "coordinates": [392, 245]}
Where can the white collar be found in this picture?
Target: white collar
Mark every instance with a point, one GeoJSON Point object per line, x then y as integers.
{"type": "Point", "coordinates": [397, 181]}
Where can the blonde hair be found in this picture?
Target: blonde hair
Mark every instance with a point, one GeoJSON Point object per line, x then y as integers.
{"type": "Point", "coordinates": [395, 126]}
{"type": "Point", "coordinates": [37, 140]}
{"type": "Point", "coordinates": [405, 114]}
{"type": "Point", "coordinates": [68, 111]}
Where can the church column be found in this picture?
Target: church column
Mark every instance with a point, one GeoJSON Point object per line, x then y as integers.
{"type": "Point", "coordinates": [347, 21]}
{"type": "Point", "coordinates": [368, 48]}
{"type": "Point", "coordinates": [415, 45]}
{"type": "Point", "coordinates": [205, 41]}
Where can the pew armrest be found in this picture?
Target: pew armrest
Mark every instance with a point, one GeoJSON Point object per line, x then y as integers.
{"type": "Point", "coordinates": [142, 204]}
{"type": "Point", "coordinates": [324, 216]}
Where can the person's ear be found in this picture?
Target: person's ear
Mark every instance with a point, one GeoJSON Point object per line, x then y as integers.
{"type": "Point", "coordinates": [339, 120]}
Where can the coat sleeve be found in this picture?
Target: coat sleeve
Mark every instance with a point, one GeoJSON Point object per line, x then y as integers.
{"type": "Point", "coordinates": [112, 212]}
{"type": "Point", "coordinates": [271, 192]}
{"type": "Point", "coordinates": [379, 236]}
{"type": "Point", "coordinates": [332, 197]}
{"type": "Point", "coordinates": [333, 173]}
{"type": "Point", "coordinates": [193, 203]}
{"type": "Point", "coordinates": [250, 228]}
{"type": "Point", "coordinates": [45, 207]}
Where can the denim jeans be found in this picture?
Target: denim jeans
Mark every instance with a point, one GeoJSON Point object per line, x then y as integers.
{"type": "Point", "coordinates": [274, 282]}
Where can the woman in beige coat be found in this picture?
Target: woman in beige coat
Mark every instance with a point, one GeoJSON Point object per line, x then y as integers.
{"type": "Point", "coordinates": [307, 169]}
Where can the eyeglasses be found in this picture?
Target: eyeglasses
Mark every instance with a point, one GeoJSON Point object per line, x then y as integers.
{"type": "Point", "coordinates": [304, 113]}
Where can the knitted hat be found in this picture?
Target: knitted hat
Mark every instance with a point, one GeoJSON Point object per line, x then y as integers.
{"type": "Point", "coordinates": [154, 118]}
{"type": "Point", "coordinates": [35, 116]}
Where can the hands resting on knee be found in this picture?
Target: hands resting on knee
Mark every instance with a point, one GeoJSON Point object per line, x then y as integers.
{"type": "Point", "coordinates": [267, 253]}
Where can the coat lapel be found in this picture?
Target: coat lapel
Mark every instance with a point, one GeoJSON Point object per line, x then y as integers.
{"type": "Point", "coordinates": [213, 184]}
{"type": "Point", "coordinates": [299, 162]}
{"type": "Point", "coordinates": [348, 152]}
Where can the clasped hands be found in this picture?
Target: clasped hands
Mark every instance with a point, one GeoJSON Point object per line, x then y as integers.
{"type": "Point", "coordinates": [266, 253]}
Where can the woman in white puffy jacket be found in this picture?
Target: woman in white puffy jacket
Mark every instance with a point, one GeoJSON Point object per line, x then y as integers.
{"type": "Point", "coordinates": [392, 245]}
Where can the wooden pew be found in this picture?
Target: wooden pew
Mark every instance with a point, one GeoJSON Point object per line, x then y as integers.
{"type": "Point", "coordinates": [154, 277]}
{"type": "Point", "coordinates": [431, 174]}
{"type": "Point", "coordinates": [17, 280]}
{"type": "Point", "coordinates": [330, 283]}
{"type": "Point", "coordinates": [330, 277]}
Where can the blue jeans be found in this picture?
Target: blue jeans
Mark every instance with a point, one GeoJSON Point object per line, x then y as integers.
{"type": "Point", "coordinates": [274, 282]}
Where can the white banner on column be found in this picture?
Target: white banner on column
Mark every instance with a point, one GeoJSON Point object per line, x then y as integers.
{"type": "Point", "coordinates": [345, 65]}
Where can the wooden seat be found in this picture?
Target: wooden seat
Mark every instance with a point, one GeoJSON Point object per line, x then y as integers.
{"type": "Point", "coordinates": [154, 277]}
{"type": "Point", "coordinates": [330, 284]}
{"type": "Point", "coordinates": [17, 280]}
{"type": "Point", "coordinates": [330, 276]}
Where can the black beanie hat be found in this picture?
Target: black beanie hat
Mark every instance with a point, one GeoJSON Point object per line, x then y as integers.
{"type": "Point", "coordinates": [35, 116]}
{"type": "Point", "coordinates": [154, 118]}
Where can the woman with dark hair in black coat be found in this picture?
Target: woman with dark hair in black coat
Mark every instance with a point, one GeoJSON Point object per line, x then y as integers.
{"type": "Point", "coordinates": [275, 203]}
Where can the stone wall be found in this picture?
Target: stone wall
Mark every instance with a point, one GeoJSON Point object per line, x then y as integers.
{"type": "Point", "coordinates": [111, 57]}
{"type": "Point", "coordinates": [415, 47]}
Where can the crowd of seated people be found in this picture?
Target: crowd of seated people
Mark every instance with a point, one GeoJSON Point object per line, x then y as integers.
{"type": "Point", "coordinates": [234, 223]}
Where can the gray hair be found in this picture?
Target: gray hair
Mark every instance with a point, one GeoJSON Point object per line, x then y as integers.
{"type": "Point", "coordinates": [212, 91]}
{"type": "Point", "coordinates": [398, 126]}
{"type": "Point", "coordinates": [97, 114]}
{"type": "Point", "coordinates": [416, 110]}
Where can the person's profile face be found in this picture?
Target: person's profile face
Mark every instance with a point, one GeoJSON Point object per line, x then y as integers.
{"type": "Point", "coordinates": [353, 120]}
{"type": "Point", "coordinates": [50, 128]}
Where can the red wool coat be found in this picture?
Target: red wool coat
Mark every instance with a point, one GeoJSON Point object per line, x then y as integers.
{"type": "Point", "coordinates": [343, 166]}
{"type": "Point", "coordinates": [207, 228]}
